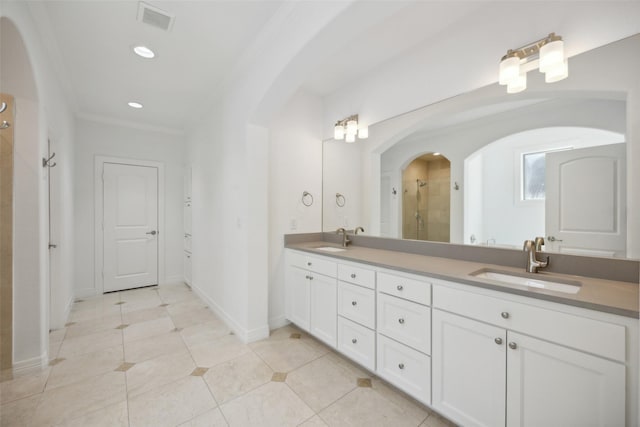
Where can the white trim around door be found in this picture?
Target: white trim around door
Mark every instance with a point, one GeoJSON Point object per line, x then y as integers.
{"type": "Point", "coordinates": [98, 212]}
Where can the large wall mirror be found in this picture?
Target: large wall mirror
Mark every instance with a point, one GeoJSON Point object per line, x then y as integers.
{"type": "Point", "coordinates": [490, 169]}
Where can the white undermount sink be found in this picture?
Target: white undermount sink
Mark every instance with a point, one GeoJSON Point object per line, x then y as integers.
{"type": "Point", "coordinates": [525, 280]}
{"type": "Point", "coordinates": [330, 249]}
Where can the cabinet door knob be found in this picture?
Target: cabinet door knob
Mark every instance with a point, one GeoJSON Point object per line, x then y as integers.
{"type": "Point", "coordinates": [353, 275]}
{"type": "Point", "coordinates": [399, 287]}
{"type": "Point", "coordinates": [309, 263]}
{"type": "Point", "coordinates": [504, 315]}
{"type": "Point", "coordinates": [401, 320]}
{"type": "Point", "coordinates": [354, 302]}
{"type": "Point", "coordinates": [513, 345]}
{"type": "Point", "coordinates": [354, 340]}
{"type": "Point", "coordinates": [306, 277]}
{"type": "Point", "coordinates": [310, 277]}
{"type": "Point", "coordinates": [498, 340]}
{"type": "Point", "coordinates": [401, 365]}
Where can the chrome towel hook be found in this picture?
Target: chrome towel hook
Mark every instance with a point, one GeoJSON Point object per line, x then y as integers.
{"type": "Point", "coordinates": [47, 162]}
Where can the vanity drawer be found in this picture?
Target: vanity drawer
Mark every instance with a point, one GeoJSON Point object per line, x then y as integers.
{"type": "Point", "coordinates": [582, 333]}
{"type": "Point", "coordinates": [312, 263]}
{"type": "Point", "coordinates": [411, 288]}
{"type": "Point", "coordinates": [357, 303]}
{"type": "Point", "coordinates": [357, 342]}
{"type": "Point", "coordinates": [405, 321]}
{"type": "Point", "coordinates": [358, 275]}
{"type": "Point", "coordinates": [404, 367]}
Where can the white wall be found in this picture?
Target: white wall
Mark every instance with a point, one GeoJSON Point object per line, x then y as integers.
{"type": "Point", "coordinates": [112, 140]}
{"type": "Point", "coordinates": [295, 166]}
{"type": "Point", "coordinates": [43, 109]}
{"type": "Point", "coordinates": [341, 173]}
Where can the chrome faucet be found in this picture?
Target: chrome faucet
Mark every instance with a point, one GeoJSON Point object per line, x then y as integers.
{"type": "Point", "coordinates": [359, 228]}
{"type": "Point", "coordinates": [345, 238]}
{"type": "Point", "coordinates": [532, 248]}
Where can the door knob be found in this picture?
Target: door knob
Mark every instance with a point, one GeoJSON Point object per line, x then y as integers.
{"type": "Point", "coordinates": [153, 232]}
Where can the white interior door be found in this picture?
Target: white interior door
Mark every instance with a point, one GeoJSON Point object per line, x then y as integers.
{"type": "Point", "coordinates": [130, 226]}
{"type": "Point", "coordinates": [586, 201]}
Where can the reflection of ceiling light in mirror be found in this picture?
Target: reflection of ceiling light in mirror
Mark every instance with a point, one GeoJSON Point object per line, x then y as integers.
{"type": "Point", "coordinates": [547, 54]}
{"type": "Point", "coordinates": [348, 128]}
{"type": "Point", "coordinates": [136, 105]}
{"type": "Point", "coordinates": [144, 52]}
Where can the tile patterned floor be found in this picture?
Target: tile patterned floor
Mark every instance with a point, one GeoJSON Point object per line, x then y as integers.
{"type": "Point", "coordinates": [160, 357]}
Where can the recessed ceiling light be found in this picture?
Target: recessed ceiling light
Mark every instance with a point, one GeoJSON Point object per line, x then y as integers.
{"type": "Point", "coordinates": [144, 52]}
{"type": "Point", "coordinates": [134, 104]}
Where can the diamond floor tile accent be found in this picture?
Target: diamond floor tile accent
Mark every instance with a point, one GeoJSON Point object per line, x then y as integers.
{"type": "Point", "coordinates": [364, 382]}
{"type": "Point", "coordinates": [57, 360]}
{"type": "Point", "coordinates": [199, 371]}
{"type": "Point", "coordinates": [279, 377]}
{"type": "Point", "coordinates": [295, 336]}
{"type": "Point", "coordinates": [125, 367]}
{"type": "Point", "coordinates": [121, 326]}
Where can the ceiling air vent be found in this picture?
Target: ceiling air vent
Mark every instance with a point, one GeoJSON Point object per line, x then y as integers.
{"type": "Point", "coordinates": [154, 16]}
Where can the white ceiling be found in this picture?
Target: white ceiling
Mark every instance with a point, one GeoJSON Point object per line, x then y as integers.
{"type": "Point", "coordinates": [91, 42]}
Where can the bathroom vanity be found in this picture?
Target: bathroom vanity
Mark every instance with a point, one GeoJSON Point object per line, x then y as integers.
{"type": "Point", "coordinates": [475, 347]}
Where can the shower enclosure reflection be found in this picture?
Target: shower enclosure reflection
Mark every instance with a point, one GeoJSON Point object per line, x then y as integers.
{"type": "Point", "coordinates": [426, 198]}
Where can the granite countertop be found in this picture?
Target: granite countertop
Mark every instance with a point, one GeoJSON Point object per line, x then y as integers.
{"type": "Point", "coordinates": [608, 296]}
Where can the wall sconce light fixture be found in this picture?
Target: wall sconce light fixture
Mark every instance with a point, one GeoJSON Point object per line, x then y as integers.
{"type": "Point", "coordinates": [546, 54]}
{"type": "Point", "coordinates": [348, 128]}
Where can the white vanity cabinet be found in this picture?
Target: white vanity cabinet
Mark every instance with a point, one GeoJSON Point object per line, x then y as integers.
{"type": "Point", "coordinates": [404, 332]}
{"type": "Point", "coordinates": [311, 295]}
{"type": "Point", "coordinates": [357, 313]}
{"type": "Point", "coordinates": [501, 362]}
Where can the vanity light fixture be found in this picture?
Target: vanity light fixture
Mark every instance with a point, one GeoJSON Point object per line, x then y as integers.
{"type": "Point", "coordinates": [144, 52]}
{"type": "Point", "coordinates": [135, 105]}
{"type": "Point", "coordinates": [349, 128]}
{"type": "Point", "coordinates": [546, 54]}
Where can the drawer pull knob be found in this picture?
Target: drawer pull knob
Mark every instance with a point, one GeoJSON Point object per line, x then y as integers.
{"type": "Point", "coordinates": [498, 340]}
{"type": "Point", "coordinates": [504, 315]}
{"type": "Point", "coordinates": [401, 365]}
{"type": "Point", "coordinates": [353, 275]}
{"type": "Point", "coordinates": [309, 263]}
{"type": "Point", "coordinates": [354, 340]}
{"type": "Point", "coordinates": [307, 277]}
{"type": "Point", "coordinates": [310, 277]}
{"type": "Point", "coordinates": [513, 345]}
{"type": "Point", "coordinates": [401, 320]}
{"type": "Point", "coordinates": [399, 287]}
{"type": "Point", "coordinates": [354, 302]}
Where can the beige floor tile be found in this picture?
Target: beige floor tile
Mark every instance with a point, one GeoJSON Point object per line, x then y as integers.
{"type": "Point", "coordinates": [314, 421]}
{"type": "Point", "coordinates": [321, 382]}
{"type": "Point", "coordinates": [211, 418]}
{"type": "Point", "coordinates": [54, 349]}
{"type": "Point", "coordinates": [204, 332]}
{"type": "Point", "coordinates": [147, 329]}
{"type": "Point", "coordinates": [138, 316]}
{"type": "Point", "coordinates": [85, 366]}
{"type": "Point", "coordinates": [150, 301]}
{"type": "Point", "coordinates": [172, 404]}
{"type": "Point", "coordinates": [111, 416]}
{"type": "Point", "coordinates": [273, 404]}
{"type": "Point", "coordinates": [174, 294]}
{"type": "Point", "coordinates": [92, 326]}
{"type": "Point", "coordinates": [285, 355]}
{"type": "Point", "coordinates": [411, 407]}
{"type": "Point", "coordinates": [79, 399]}
{"type": "Point", "coordinates": [435, 420]}
{"type": "Point", "coordinates": [159, 371]}
{"type": "Point", "coordinates": [189, 304]}
{"type": "Point", "coordinates": [90, 343]}
{"type": "Point", "coordinates": [19, 412]}
{"type": "Point", "coordinates": [148, 348]}
{"type": "Point", "coordinates": [193, 317]}
{"type": "Point", "coordinates": [218, 351]}
{"type": "Point", "coordinates": [236, 377]}
{"type": "Point", "coordinates": [366, 407]}
{"type": "Point", "coordinates": [57, 335]}
{"type": "Point", "coordinates": [23, 386]}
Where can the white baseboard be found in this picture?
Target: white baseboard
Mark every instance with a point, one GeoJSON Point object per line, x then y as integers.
{"type": "Point", "coordinates": [278, 322]}
{"type": "Point", "coordinates": [85, 293]}
{"type": "Point", "coordinates": [246, 336]}
{"type": "Point", "coordinates": [34, 364]}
